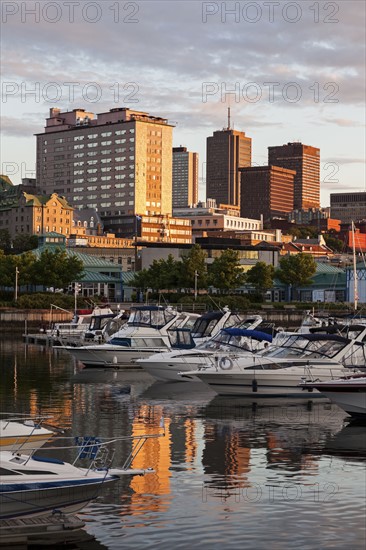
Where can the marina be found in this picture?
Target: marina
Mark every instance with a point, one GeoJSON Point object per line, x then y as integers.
{"type": "Point", "coordinates": [225, 465]}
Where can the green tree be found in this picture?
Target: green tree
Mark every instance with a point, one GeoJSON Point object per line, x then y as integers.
{"type": "Point", "coordinates": [23, 243]}
{"type": "Point", "coordinates": [57, 269]}
{"type": "Point", "coordinates": [335, 244]}
{"type": "Point", "coordinates": [296, 270]}
{"type": "Point", "coordinates": [5, 240]}
{"type": "Point", "coordinates": [261, 277]}
{"type": "Point", "coordinates": [225, 272]}
{"type": "Point", "coordinates": [190, 264]}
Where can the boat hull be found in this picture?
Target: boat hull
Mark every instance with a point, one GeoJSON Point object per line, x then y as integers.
{"type": "Point", "coordinates": [32, 499]}
{"type": "Point", "coordinates": [267, 383]}
{"type": "Point", "coordinates": [111, 356]}
{"type": "Point", "coordinates": [353, 402]}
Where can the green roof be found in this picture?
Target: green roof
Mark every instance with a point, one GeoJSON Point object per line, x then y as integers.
{"type": "Point", "coordinates": [92, 277]}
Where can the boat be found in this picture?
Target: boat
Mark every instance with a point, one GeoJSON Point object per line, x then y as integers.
{"type": "Point", "coordinates": [348, 392]}
{"type": "Point", "coordinates": [33, 486]}
{"type": "Point", "coordinates": [22, 433]}
{"type": "Point", "coordinates": [242, 338]}
{"type": "Point", "coordinates": [145, 333]}
{"type": "Point", "coordinates": [278, 370]}
{"type": "Point", "coordinates": [83, 322]}
{"type": "Point", "coordinates": [150, 330]}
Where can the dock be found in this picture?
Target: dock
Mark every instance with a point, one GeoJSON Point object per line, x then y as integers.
{"type": "Point", "coordinates": [42, 531]}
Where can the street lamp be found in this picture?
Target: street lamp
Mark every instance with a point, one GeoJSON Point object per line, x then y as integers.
{"type": "Point", "coordinates": [195, 284]}
{"type": "Point", "coordinates": [16, 283]}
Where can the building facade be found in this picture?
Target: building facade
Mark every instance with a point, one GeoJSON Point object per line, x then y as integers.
{"type": "Point", "coordinates": [185, 177]}
{"type": "Point", "coordinates": [266, 191]}
{"type": "Point", "coordinates": [348, 207]}
{"type": "Point", "coordinates": [227, 151]}
{"type": "Point", "coordinates": [118, 162]}
{"type": "Point", "coordinates": [210, 218]}
{"type": "Point", "coordinates": [305, 160]}
{"type": "Point", "coordinates": [22, 212]}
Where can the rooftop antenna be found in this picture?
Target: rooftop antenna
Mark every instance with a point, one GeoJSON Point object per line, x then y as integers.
{"type": "Point", "coordinates": [228, 118]}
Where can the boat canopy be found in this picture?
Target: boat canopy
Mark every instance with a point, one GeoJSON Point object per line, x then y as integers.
{"type": "Point", "coordinates": [255, 334]}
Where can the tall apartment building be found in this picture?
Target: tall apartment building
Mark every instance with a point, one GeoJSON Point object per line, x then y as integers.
{"type": "Point", "coordinates": [266, 191]}
{"type": "Point", "coordinates": [348, 207]}
{"type": "Point", "coordinates": [185, 177]}
{"type": "Point", "coordinates": [119, 162]}
{"type": "Point", "coordinates": [227, 151]}
{"type": "Point", "coordinates": [305, 160]}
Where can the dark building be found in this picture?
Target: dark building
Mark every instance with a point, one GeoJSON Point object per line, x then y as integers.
{"type": "Point", "coordinates": [267, 191]}
{"type": "Point", "coordinates": [348, 207]}
{"type": "Point", "coordinates": [305, 160]}
{"type": "Point", "coordinates": [227, 151]}
{"type": "Point", "coordinates": [185, 177]}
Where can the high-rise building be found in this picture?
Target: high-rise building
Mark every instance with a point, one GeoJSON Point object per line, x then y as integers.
{"type": "Point", "coordinates": [348, 207]}
{"type": "Point", "coordinates": [118, 162]}
{"type": "Point", "coordinates": [267, 191]}
{"type": "Point", "coordinates": [305, 160]}
{"type": "Point", "coordinates": [227, 151]}
{"type": "Point", "coordinates": [185, 177]}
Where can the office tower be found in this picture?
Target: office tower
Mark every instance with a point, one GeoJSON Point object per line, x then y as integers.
{"type": "Point", "coordinates": [185, 177]}
{"type": "Point", "coordinates": [348, 207]}
{"type": "Point", "coordinates": [305, 160]}
{"type": "Point", "coordinates": [227, 151]}
{"type": "Point", "coordinates": [118, 162]}
{"type": "Point", "coordinates": [267, 191]}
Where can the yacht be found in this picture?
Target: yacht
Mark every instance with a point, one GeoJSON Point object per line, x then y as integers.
{"type": "Point", "coordinates": [21, 433]}
{"type": "Point", "coordinates": [146, 332]}
{"type": "Point", "coordinates": [349, 393]}
{"type": "Point", "coordinates": [83, 322]}
{"type": "Point", "coordinates": [242, 338]}
{"type": "Point", "coordinates": [278, 370]}
{"type": "Point", "coordinates": [32, 486]}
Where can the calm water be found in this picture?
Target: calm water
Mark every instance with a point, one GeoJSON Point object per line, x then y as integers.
{"type": "Point", "coordinates": [230, 473]}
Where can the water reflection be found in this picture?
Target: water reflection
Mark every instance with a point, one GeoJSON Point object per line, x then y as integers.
{"type": "Point", "coordinates": [220, 457]}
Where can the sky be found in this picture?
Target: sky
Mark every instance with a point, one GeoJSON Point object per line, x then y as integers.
{"type": "Point", "coordinates": [290, 71]}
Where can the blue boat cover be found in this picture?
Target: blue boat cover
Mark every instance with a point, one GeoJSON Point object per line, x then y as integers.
{"type": "Point", "coordinates": [255, 334]}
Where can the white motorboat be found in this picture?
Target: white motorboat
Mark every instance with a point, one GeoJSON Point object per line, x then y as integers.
{"type": "Point", "coordinates": [21, 433]}
{"type": "Point", "coordinates": [349, 393]}
{"type": "Point", "coordinates": [235, 340]}
{"type": "Point", "coordinates": [32, 486]}
{"type": "Point", "coordinates": [278, 370]}
{"type": "Point", "coordinates": [82, 323]}
{"type": "Point", "coordinates": [146, 332]}
{"type": "Point", "coordinates": [150, 330]}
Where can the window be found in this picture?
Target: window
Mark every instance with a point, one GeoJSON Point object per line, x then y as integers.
{"type": "Point", "coordinates": [92, 180]}
{"type": "Point", "coordinates": [92, 188]}
{"type": "Point", "coordinates": [76, 156]}
{"type": "Point", "coordinates": [120, 132]}
{"type": "Point", "coordinates": [106, 151]}
{"type": "Point", "coordinates": [106, 134]}
{"type": "Point", "coordinates": [120, 140]}
{"type": "Point", "coordinates": [92, 136]}
{"type": "Point", "coordinates": [79, 146]}
{"type": "Point", "coordinates": [78, 138]}
{"type": "Point", "coordinates": [91, 154]}
{"type": "Point", "coordinates": [106, 143]}
{"type": "Point", "coordinates": [93, 144]}
{"type": "Point", "coordinates": [106, 178]}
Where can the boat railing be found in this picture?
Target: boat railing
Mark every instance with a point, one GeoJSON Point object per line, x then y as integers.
{"type": "Point", "coordinates": [96, 451]}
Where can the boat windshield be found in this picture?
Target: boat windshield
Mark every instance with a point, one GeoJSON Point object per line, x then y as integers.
{"type": "Point", "coordinates": [224, 341]}
{"type": "Point", "coordinates": [151, 317]}
{"type": "Point", "coordinates": [181, 338]}
{"type": "Point", "coordinates": [298, 346]}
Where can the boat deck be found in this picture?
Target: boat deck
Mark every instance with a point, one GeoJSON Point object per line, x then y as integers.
{"type": "Point", "coordinates": [20, 532]}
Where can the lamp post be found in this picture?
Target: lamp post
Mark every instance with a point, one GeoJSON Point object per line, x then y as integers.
{"type": "Point", "coordinates": [16, 283]}
{"type": "Point", "coordinates": [195, 284]}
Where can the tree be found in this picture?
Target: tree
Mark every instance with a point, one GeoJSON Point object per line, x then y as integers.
{"type": "Point", "coordinates": [23, 243]}
{"type": "Point", "coordinates": [57, 269]}
{"type": "Point", "coordinates": [225, 272]}
{"type": "Point", "coordinates": [296, 270]}
{"type": "Point", "coordinates": [194, 261]}
{"type": "Point", "coordinates": [5, 240]}
{"type": "Point", "coordinates": [335, 244]}
{"type": "Point", "coordinates": [261, 277]}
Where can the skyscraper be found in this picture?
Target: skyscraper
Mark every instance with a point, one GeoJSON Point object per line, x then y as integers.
{"type": "Point", "coordinates": [185, 177]}
{"type": "Point", "coordinates": [119, 162]}
{"type": "Point", "coordinates": [267, 191]}
{"type": "Point", "coordinates": [227, 151]}
{"type": "Point", "coordinates": [305, 160]}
